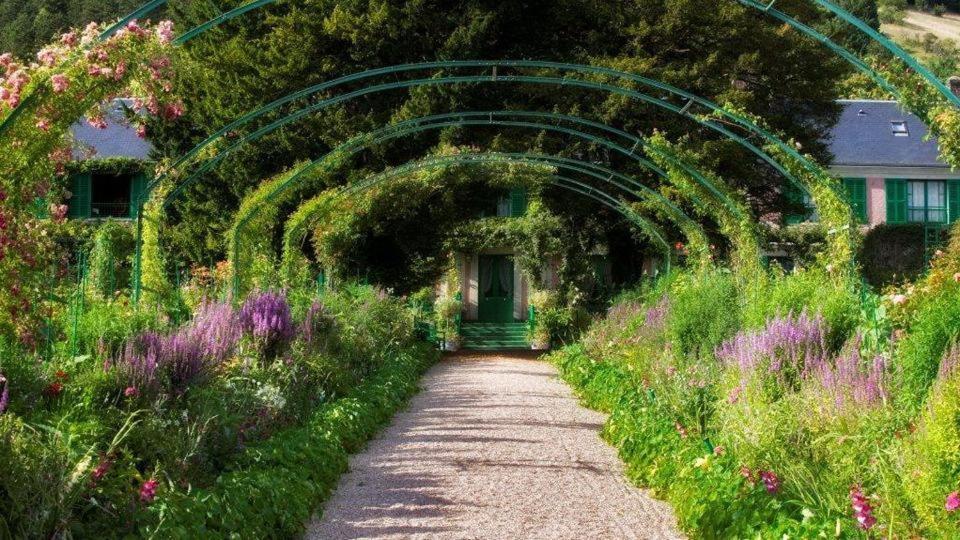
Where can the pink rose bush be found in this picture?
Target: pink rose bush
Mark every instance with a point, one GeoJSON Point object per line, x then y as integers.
{"type": "Point", "coordinates": [71, 79]}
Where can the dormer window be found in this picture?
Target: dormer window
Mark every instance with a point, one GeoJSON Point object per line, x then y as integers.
{"type": "Point", "coordinates": [899, 128]}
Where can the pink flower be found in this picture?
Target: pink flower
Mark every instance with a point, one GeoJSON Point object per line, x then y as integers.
{"type": "Point", "coordinates": [862, 510]}
{"type": "Point", "coordinates": [173, 111]}
{"type": "Point", "coordinates": [69, 39]}
{"type": "Point", "coordinates": [953, 502]}
{"type": "Point", "coordinates": [43, 124]}
{"type": "Point", "coordinates": [898, 299]}
{"type": "Point", "coordinates": [6, 59]}
{"type": "Point", "coordinates": [165, 32]}
{"type": "Point", "coordinates": [102, 468]}
{"type": "Point", "coordinates": [58, 212]}
{"type": "Point", "coordinates": [142, 131]}
{"type": "Point", "coordinates": [131, 392]}
{"type": "Point", "coordinates": [94, 70]}
{"type": "Point", "coordinates": [719, 451]}
{"type": "Point", "coordinates": [47, 57]}
{"type": "Point", "coordinates": [60, 83]}
{"type": "Point", "coordinates": [97, 121]}
{"type": "Point", "coordinates": [148, 491]}
{"type": "Point", "coordinates": [770, 481]}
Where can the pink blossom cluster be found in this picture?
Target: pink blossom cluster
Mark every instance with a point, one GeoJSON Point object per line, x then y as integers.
{"type": "Point", "coordinates": [771, 482]}
{"type": "Point", "coordinates": [862, 511]}
{"type": "Point", "coordinates": [953, 502]}
{"type": "Point", "coordinates": [148, 491]}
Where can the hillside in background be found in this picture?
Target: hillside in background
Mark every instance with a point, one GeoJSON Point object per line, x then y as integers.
{"type": "Point", "coordinates": [926, 35]}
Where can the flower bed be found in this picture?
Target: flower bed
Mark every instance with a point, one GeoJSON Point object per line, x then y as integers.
{"type": "Point", "coordinates": [154, 425]}
{"type": "Point", "coordinates": [795, 406]}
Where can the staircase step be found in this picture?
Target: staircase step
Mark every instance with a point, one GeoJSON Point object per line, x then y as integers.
{"type": "Point", "coordinates": [480, 336]}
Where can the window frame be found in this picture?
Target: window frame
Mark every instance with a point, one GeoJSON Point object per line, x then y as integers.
{"type": "Point", "coordinates": [925, 209]}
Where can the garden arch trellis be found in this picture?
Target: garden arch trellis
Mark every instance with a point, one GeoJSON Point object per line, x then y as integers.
{"type": "Point", "coordinates": [487, 119]}
{"type": "Point", "coordinates": [297, 227]}
{"type": "Point", "coordinates": [492, 118]}
{"type": "Point", "coordinates": [862, 27]}
{"type": "Point", "coordinates": [745, 245]}
{"type": "Point", "coordinates": [844, 222]}
{"type": "Point", "coordinates": [567, 183]}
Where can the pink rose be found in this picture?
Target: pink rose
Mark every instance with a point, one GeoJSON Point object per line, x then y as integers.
{"type": "Point", "coordinates": [60, 83]}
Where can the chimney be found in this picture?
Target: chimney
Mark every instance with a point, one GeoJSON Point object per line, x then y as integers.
{"type": "Point", "coordinates": [954, 84]}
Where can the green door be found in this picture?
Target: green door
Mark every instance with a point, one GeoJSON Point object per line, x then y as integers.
{"type": "Point", "coordinates": [496, 289]}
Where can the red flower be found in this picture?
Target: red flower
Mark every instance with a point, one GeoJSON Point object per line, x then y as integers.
{"type": "Point", "coordinates": [54, 389]}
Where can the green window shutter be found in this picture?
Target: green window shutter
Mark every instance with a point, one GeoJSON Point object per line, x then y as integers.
{"type": "Point", "coordinates": [137, 186]}
{"type": "Point", "coordinates": [795, 197]}
{"type": "Point", "coordinates": [953, 200]}
{"type": "Point", "coordinates": [79, 204]}
{"type": "Point", "coordinates": [896, 192]}
{"type": "Point", "coordinates": [518, 202]}
{"type": "Point", "coordinates": [856, 189]}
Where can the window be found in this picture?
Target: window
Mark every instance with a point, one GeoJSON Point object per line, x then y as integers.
{"type": "Point", "coordinates": [110, 195]}
{"type": "Point", "coordinates": [899, 128]}
{"type": "Point", "coordinates": [927, 201]}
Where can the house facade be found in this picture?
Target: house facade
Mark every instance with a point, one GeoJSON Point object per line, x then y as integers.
{"type": "Point", "coordinates": [890, 170]}
{"type": "Point", "coordinates": [114, 167]}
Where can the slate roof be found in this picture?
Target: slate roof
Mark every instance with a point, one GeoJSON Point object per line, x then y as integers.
{"type": "Point", "coordinates": [864, 137]}
{"type": "Point", "coordinates": [120, 139]}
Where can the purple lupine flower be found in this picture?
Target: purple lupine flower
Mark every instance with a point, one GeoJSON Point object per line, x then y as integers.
{"type": "Point", "coordinates": [787, 348]}
{"type": "Point", "coordinates": [848, 379]}
{"type": "Point", "coordinates": [266, 317]}
{"type": "Point", "coordinates": [216, 327]}
{"type": "Point", "coordinates": [184, 356]}
{"type": "Point", "coordinates": [4, 394]}
{"type": "Point", "coordinates": [657, 315]}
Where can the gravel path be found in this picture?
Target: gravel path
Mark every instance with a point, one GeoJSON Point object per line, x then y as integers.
{"type": "Point", "coordinates": [494, 447]}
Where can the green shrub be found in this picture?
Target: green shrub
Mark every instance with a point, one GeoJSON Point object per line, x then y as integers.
{"type": "Point", "coordinates": [110, 259]}
{"type": "Point", "coordinates": [933, 326]}
{"type": "Point", "coordinates": [892, 253]}
{"type": "Point", "coordinates": [273, 489]}
{"type": "Point", "coordinates": [704, 311]}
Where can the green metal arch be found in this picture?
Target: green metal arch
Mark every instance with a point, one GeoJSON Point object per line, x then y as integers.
{"type": "Point", "coordinates": [684, 110]}
{"type": "Point", "coordinates": [840, 50]}
{"type": "Point", "coordinates": [767, 7]}
{"type": "Point", "coordinates": [350, 148]}
{"type": "Point", "coordinates": [495, 118]}
{"type": "Point", "coordinates": [564, 182]}
{"type": "Point", "coordinates": [454, 119]}
{"type": "Point", "coordinates": [595, 171]}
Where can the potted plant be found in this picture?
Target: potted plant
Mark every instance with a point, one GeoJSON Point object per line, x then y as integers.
{"type": "Point", "coordinates": [448, 310]}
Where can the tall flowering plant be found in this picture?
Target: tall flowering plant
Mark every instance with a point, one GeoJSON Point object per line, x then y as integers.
{"type": "Point", "coordinates": [265, 316]}
{"type": "Point", "coordinates": [39, 101]}
{"type": "Point", "coordinates": [779, 356]}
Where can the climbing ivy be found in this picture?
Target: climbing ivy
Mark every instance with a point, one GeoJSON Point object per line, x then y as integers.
{"type": "Point", "coordinates": [731, 213]}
